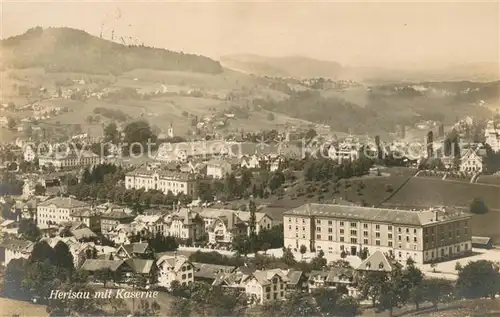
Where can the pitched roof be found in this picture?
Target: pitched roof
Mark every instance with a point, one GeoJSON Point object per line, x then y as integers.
{"type": "Point", "coordinates": [294, 276]}
{"type": "Point", "coordinates": [98, 264]}
{"type": "Point", "coordinates": [480, 240]}
{"type": "Point", "coordinates": [382, 215]}
{"type": "Point", "coordinates": [265, 277]}
{"type": "Point", "coordinates": [83, 233]}
{"type": "Point", "coordinates": [376, 262]}
{"type": "Point", "coordinates": [139, 248]}
{"type": "Point", "coordinates": [63, 202]}
{"type": "Point", "coordinates": [245, 215]}
{"type": "Point", "coordinates": [211, 271]}
{"type": "Point", "coordinates": [140, 265]}
{"type": "Point", "coordinates": [174, 261]}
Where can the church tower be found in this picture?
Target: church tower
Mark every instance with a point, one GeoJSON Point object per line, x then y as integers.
{"type": "Point", "coordinates": [171, 131]}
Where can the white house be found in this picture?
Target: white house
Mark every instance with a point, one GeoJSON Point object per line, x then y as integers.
{"type": "Point", "coordinates": [57, 210]}
{"type": "Point", "coordinates": [184, 224]}
{"type": "Point", "coordinates": [174, 268]}
{"type": "Point", "coordinates": [250, 161]}
{"type": "Point", "coordinates": [222, 225]}
{"type": "Point", "coordinates": [16, 249]}
{"type": "Point", "coordinates": [218, 168]}
{"type": "Point", "coordinates": [492, 135]}
{"type": "Point", "coordinates": [472, 162]}
{"type": "Point", "coordinates": [262, 220]}
{"type": "Point", "coordinates": [265, 286]}
{"type": "Point", "coordinates": [29, 154]}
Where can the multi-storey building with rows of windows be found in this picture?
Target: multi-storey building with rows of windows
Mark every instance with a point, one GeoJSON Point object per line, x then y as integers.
{"type": "Point", "coordinates": [425, 236]}
{"type": "Point", "coordinates": [162, 180]}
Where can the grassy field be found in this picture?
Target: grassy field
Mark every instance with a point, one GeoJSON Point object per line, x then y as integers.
{"type": "Point", "coordinates": [425, 192]}
{"type": "Point", "coordinates": [11, 307]}
{"type": "Point", "coordinates": [489, 179]}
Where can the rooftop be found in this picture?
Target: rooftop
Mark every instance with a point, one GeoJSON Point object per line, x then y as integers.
{"type": "Point", "coordinates": [63, 202]}
{"type": "Point", "coordinates": [381, 215]}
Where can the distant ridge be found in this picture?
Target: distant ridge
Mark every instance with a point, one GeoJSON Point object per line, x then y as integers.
{"type": "Point", "coordinates": [72, 50]}
{"type": "Point", "coordinates": [305, 67]}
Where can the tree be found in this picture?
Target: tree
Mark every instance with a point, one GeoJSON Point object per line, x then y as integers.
{"type": "Point", "coordinates": [41, 252]}
{"type": "Point", "coordinates": [138, 132]}
{"type": "Point", "coordinates": [288, 257]}
{"type": "Point", "coordinates": [435, 290]}
{"type": "Point", "coordinates": [252, 223]}
{"type": "Point", "coordinates": [302, 250]}
{"type": "Point", "coordinates": [111, 133]}
{"type": "Point", "coordinates": [29, 230]}
{"type": "Point", "coordinates": [181, 307]}
{"type": "Point", "coordinates": [62, 257]}
{"type": "Point", "coordinates": [242, 245]}
{"type": "Point", "coordinates": [478, 206]}
{"type": "Point", "coordinates": [478, 279]}
{"type": "Point", "coordinates": [11, 123]}
{"type": "Point", "coordinates": [12, 280]}
{"type": "Point", "coordinates": [265, 246]}
{"type": "Point", "coordinates": [39, 190]}
{"type": "Point", "coordinates": [371, 285]}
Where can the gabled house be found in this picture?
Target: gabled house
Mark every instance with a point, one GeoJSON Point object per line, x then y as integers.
{"type": "Point", "coordinates": [262, 220]}
{"type": "Point", "coordinates": [15, 249]}
{"type": "Point", "coordinates": [472, 162]}
{"type": "Point", "coordinates": [377, 262]}
{"type": "Point", "coordinates": [222, 225]}
{"type": "Point", "coordinates": [265, 286]}
{"type": "Point", "coordinates": [184, 224]}
{"type": "Point", "coordinates": [341, 279]}
{"type": "Point", "coordinates": [218, 168]}
{"type": "Point", "coordinates": [209, 272]}
{"type": "Point", "coordinates": [251, 161]}
{"type": "Point", "coordinates": [134, 250]}
{"type": "Point", "coordinates": [174, 268]}
{"type": "Point", "coordinates": [153, 224]}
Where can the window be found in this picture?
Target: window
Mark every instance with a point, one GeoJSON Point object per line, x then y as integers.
{"type": "Point", "coordinates": [354, 232]}
{"type": "Point", "coordinates": [365, 241]}
{"type": "Point", "coordinates": [341, 231]}
{"type": "Point", "coordinates": [318, 236]}
{"type": "Point", "coordinates": [330, 238]}
{"type": "Point", "coordinates": [289, 219]}
{"type": "Point", "coordinates": [399, 238]}
{"type": "Point", "coordinates": [377, 234]}
{"type": "Point", "coordinates": [354, 240]}
{"type": "Point", "coordinates": [353, 225]}
{"type": "Point", "coordinates": [341, 223]}
{"type": "Point", "coordinates": [390, 243]}
{"type": "Point", "coordinates": [415, 231]}
{"type": "Point", "coordinates": [318, 221]}
{"type": "Point", "coordinates": [407, 230]}
{"type": "Point", "coordinates": [289, 227]}
{"type": "Point", "coordinates": [330, 222]}
{"type": "Point", "coordinates": [365, 233]}
{"type": "Point", "coordinates": [281, 294]}
{"type": "Point", "coordinates": [268, 296]}
{"type": "Point", "coordinates": [389, 228]}
{"type": "Point", "coordinates": [268, 289]}
{"type": "Point", "coordinates": [303, 228]}
{"type": "Point", "coordinates": [365, 225]}
{"type": "Point", "coordinates": [318, 229]}
{"type": "Point", "coordinates": [399, 229]}
{"type": "Point", "coordinates": [330, 230]}
{"type": "Point", "coordinates": [414, 239]}
{"type": "Point", "coordinates": [377, 242]}
{"type": "Point", "coordinates": [407, 239]}
{"type": "Point", "coordinates": [341, 239]}
{"type": "Point", "coordinates": [377, 227]}
{"type": "Point", "coordinates": [183, 276]}
{"type": "Point", "coordinates": [190, 275]}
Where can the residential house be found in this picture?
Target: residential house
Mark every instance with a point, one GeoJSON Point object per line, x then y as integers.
{"type": "Point", "coordinates": [112, 217]}
{"type": "Point", "coordinates": [262, 220]}
{"type": "Point", "coordinates": [122, 234]}
{"type": "Point", "coordinates": [68, 159]}
{"type": "Point", "coordinates": [222, 225]}
{"type": "Point", "coordinates": [139, 250]}
{"type": "Point", "coordinates": [174, 268]}
{"type": "Point", "coordinates": [15, 249]}
{"type": "Point", "coordinates": [265, 286]}
{"type": "Point", "coordinates": [87, 216]}
{"type": "Point", "coordinates": [148, 224]}
{"type": "Point", "coordinates": [218, 168]}
{"type": "Point", "coordinates": [473, 161]}
{"type": "Point", "coordinates": [335, 278]}
{"type": "Point", "coordinates": [57, 210]}
{"type": "Point", "coordinates": [184, 224]}
{"type": "Point", "coordinates": [9, 227]}
{"type": "Point", "coordinates": [78, 250]}
{"type": "Point", "coordinates": [207, 273]}
{"type": "Point", "coordinates": [492, 135]}
{"type": "Point", "coordinates": [29, 153]}
{"type": "Point", "coordinates": [251, 161]}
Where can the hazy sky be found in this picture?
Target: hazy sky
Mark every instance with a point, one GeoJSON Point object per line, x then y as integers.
{"type": "Point", "coordinates": [365, 33]}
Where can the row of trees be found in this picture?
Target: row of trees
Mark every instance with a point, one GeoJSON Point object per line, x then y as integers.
{"type": "Point", "coordinates": [326, 169]}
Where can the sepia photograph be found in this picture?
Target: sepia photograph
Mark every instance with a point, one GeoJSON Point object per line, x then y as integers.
{"type": "Point", "coordinates": [249, 158]}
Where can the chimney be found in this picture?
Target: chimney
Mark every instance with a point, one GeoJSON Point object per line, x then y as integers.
{"type": "Point", "coordinates": [437, 216]}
